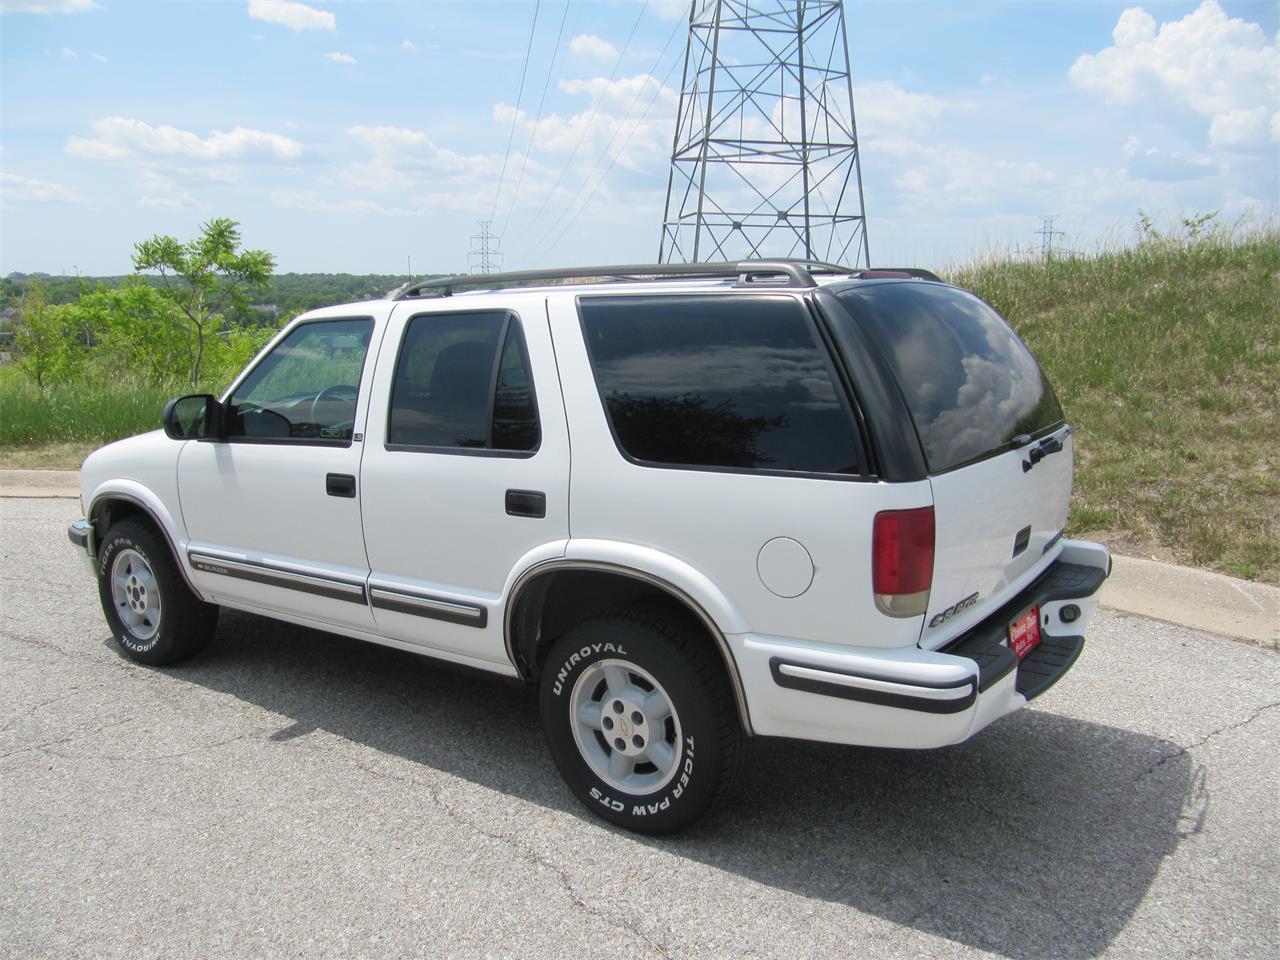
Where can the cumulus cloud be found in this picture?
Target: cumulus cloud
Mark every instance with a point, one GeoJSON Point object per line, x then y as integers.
{"type": "Point", "coordinates": [1151, 163]}
{"type": "Point", "coordinates": [339, 57]}
{"type": "Point", "coordinates": [409, 46]}
{"type": "Point", "coordinates": [589, 45]}
{"type": "Point", "coordinates": [295, 16]}
{"type": "Point", "coordinates": [69, 54]}
{"type": "Point", "coordinates": [100, 57]}
{"type": "Point", "coordinates": [125, 138]}
{"type": "Point", "coordinates": [885, 109]}
{"type": "Point", "coordinates": [400, 159]}
{"type": "Point", "coordinates": [16, 188]}
{"type": "Point", "coordinates": [1224, 69]}
{"type": "Point", "coordinates": [47, 6]}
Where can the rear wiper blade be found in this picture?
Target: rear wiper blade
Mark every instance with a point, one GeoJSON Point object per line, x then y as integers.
{"type": "Point", "coordinates": [1041, 450]}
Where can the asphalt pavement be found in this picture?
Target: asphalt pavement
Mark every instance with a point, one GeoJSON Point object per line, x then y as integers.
{"type": "Point", "coordinates": [291, 793]}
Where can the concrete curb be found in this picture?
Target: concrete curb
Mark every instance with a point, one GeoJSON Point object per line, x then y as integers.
{"type": "Point", "coordinates": [1209, 602]}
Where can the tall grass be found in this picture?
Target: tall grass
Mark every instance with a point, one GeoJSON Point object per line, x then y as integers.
{"type": "Point", "coordinates": [1166, 356]}
{"type": "Point", "coordinates": [68, 412]}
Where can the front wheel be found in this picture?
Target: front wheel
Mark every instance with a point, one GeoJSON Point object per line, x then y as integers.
{"type": "Point", "coordinates": [639, 719]}
{"type": "Point", "coordinates": [152, 612]}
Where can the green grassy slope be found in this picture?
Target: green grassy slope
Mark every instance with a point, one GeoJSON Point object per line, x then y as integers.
{"type": "Point", "coordinates": [1166, 357]}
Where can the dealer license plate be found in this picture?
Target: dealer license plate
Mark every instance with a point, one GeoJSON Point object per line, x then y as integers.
{"type": "Point", "coordinates": [1024, 633]}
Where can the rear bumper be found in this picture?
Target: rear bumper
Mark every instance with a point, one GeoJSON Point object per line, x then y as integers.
{"type": "Point", "coordinates": [916, 698]}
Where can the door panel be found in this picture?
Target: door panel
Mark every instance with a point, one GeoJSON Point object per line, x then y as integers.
{"type": "Point", "coordinates": [443, 544]}
{"type": "Point", "coordinates": [270, 519]}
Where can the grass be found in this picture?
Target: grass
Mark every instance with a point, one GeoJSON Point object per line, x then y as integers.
{"type": "Point", "coordinates": [56, 423]}
{"type": "Point", "coordinates": [1166, 357]}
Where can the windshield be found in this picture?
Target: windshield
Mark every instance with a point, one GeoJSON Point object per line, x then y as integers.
{"type": "Point", "coordinates": [970, 383]}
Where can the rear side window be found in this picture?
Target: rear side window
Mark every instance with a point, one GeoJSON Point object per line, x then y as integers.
{"type": "Point", "coordinates": [970, 383]}
{"type": "Point", "coordinates": [463, 380]}
{"type": "Point", "coordinates": [721, 382]}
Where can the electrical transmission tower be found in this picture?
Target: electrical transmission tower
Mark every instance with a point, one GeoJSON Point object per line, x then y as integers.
{"type": "Point", "coordinates": [765, 159]}
{"type": "Point", "coordinates": [484, 256]}
{"type": "Point", "coordinates": [1047, 235]}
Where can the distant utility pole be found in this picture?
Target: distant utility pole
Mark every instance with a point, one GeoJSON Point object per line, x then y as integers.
{"type": "Point", "coordinates": [1047, 234]}
{"type": "Point", "coordinates": [484, 256]}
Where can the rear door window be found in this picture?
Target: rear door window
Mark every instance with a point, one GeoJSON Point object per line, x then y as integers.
{"type": "Point", "coordinates": [735, 383]}
{"type": "Point", "coordinates": [970, 383]}
{"type": "Point", "coordinates": [463, 381]}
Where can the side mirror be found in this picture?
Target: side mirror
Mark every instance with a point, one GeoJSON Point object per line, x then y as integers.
{"type": "Point", "coordinates": [197, 416]}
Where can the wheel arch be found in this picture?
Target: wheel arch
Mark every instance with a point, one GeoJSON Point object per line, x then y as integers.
{"type": "Point", "coordinates": [526, 612]}
{"type": "Point", "coordinates": [110, 506]}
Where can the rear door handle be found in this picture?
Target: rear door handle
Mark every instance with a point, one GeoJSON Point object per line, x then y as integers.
{"type": "Point", "coordinates": [526, 503]}
{"type": "Point", "coordinates": [340, 485]}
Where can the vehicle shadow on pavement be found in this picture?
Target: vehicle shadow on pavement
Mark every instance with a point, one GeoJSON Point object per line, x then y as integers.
{"type": "Point", "coordinates": [1040, 837]}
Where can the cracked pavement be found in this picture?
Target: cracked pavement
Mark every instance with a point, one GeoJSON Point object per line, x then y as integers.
{"type": "Point", "coordinates": [291, 793]}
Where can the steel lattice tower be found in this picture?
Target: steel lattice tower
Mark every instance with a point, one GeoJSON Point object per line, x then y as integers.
{"type": "Point", "coordinates": [765, 158]}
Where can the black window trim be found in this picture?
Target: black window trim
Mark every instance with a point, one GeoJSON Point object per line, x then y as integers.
{"type": "Point", "coordinates": [511, 318]}
{"type": "Point", "coordinates": [820, 342]}
{"type": "Point", "coordinates": [303, 441]}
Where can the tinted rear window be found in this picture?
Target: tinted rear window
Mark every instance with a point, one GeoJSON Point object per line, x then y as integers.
{"type": "Point", "coordinates": [971, 384]}
{"type": "Point", "coordinates": [722, 382]}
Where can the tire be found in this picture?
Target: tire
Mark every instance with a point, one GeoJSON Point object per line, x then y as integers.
{"type": "Point", "coordinates": [640, 720]}
{"type": "Point", "coordinates": [152, 612]}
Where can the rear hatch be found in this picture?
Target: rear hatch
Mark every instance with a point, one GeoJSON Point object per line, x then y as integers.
{"type": "Point", "coordinates": [997, 450]}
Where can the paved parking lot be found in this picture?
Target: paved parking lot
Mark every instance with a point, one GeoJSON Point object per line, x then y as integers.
{"type": "Point", "coordinates": [296, 794]}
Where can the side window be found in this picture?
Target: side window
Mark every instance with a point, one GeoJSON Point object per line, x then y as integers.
{"type": "Point", "coordinates": [306, 388]}
{"type": "Point", "coordinates": [722, 382]}
{"type": "Point", "coordinates": [463, 380]}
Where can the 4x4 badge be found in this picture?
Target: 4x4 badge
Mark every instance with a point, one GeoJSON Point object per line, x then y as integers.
{"type": "Point", "coordinates": [940, 618]}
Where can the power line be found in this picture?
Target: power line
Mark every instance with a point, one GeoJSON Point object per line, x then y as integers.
{"type": "Point", "coordinates": [591, 119]}
{"type": "Point", "coordinates": [555, 53]}
{"type": "Point", "coordinates": [546, 249]}
{"type": "Point", "coordinates": [515, 117]}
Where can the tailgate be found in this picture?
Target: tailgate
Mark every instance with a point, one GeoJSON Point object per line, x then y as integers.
{"type": "Point", "coordinates": [996, 528]}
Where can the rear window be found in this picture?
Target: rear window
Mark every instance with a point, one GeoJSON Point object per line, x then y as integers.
{"type": "Point", "coordinates": [971, 384]}
{"type": "Point", "coordinates": [719, 382]}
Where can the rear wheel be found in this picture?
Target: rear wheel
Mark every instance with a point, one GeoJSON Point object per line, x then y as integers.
{"type": "Point", "coordinates": [639, 719]}
{"type": "Point", "coordinates": [152, 612]}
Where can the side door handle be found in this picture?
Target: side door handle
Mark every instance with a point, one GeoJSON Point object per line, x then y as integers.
{"type": "Point", "coordinates": [340, 485]}
{"type": "Point", "coordinates": [526, 503]}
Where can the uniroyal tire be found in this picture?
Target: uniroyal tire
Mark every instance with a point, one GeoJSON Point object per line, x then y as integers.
{"type": "Point", "coordinates": [640, 720]}
{"type": "Point", "coordinates": [152, 612]}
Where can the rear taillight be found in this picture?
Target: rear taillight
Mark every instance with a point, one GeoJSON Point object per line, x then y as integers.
{"type": "Point", "coordinates": [902, 561]}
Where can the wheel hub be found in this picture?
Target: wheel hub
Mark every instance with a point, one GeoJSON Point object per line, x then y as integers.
{"type": "Point", "coordinates": [135, 594]}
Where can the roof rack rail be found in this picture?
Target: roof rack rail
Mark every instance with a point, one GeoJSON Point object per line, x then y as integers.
{"type": "Point", "coordinates": [797, 274]}
{"type": "Point", "coordinates": [916, 273]}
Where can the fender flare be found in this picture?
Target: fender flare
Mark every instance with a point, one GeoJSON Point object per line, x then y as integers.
{"type": "Point", "coordinates": [142, 498]}
{"type": "Point", "coordinates": [693, 604]}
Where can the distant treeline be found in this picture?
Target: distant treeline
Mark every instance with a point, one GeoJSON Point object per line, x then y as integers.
{"type": "Point", "coordinates": [288, 293]}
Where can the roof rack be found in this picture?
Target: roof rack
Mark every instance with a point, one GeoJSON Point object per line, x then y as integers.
{"type": "Point", "coordinates": [916, 273]}
{"type": "Point", "coordinates": [795, 273]}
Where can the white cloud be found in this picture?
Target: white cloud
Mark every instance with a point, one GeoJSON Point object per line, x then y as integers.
{"type": "Point", "coordinates": [69, 54]}
{"type": "Point", "coordinates": [100, 57]}
{"type": "Point", "coordinates": [1153, 164]}
{"type": "Point", "coordinates": [14, 187]}
{"type": "Point", "coordinates": [125, 138]}
{"type": "Point", "coordinates": [295, 16]}
{"type": "Point", "coordinates": [339, 57]}
{"type": "Point", "coordinates": [173, 200]}
{"type": "Point", "coordinates": [1223, 69]}
{"type": "Point", "coordinates": [47, 6]}
{"type": "Point", "coordinates": [884, 109]}
{"type": "Point", "coordinates": [589, 45]}
{"type": "Point", "coordinates": [671, 9]}
{"type": "Point", "coordinates": [409, 46]}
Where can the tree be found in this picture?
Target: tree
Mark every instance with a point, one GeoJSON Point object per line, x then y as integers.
{"type": "Point", "coordinates": [206, 276]}
{"type": "Point", "coordinates": [43, 339]}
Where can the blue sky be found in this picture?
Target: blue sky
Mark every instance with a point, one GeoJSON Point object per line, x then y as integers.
{"type": "Point", "coordinates": [353, 136]}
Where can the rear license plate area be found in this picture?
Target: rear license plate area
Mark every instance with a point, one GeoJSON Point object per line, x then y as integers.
{"type": "Point", "coordinates": [1024, 633]}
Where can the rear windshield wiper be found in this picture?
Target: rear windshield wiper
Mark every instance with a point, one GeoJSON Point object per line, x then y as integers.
{"type": "Point", "coordinates": [1041, 450]}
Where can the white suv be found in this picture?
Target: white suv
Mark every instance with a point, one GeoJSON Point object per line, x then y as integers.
{"type": "Point", "coordinates": [690, 503]}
